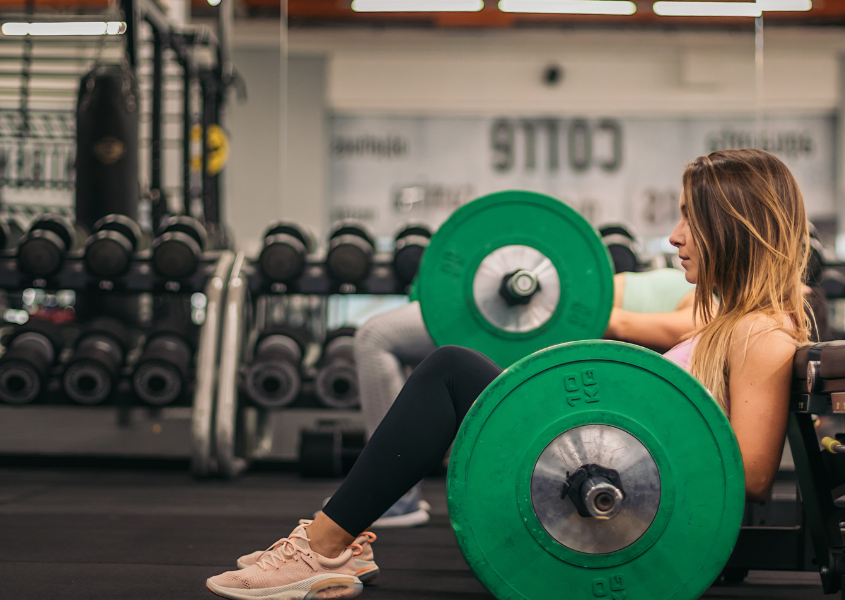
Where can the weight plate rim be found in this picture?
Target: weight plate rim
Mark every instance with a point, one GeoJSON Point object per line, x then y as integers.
{"type": "Point", "coordinates": [612, 351]}
{"type": "Point", "coordinates": [667, 496]}
{"type": "Point", "coordinates": [431, 260]}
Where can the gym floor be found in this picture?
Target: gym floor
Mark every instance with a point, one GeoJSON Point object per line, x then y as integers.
{"type": "Point", "coordinates": [121, 534]}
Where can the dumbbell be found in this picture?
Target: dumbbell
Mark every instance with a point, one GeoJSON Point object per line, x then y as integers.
{"type": "Point", "coordinates": [94, 366]}
{"type": "Point", "coordinates": [31, 351]}
{"type": "Point", "coordinates": [282, 258]}
{"type": "Point", "coordinates": [622, 245]}
{"type": "Point", "coordinates": [178, 247]}
{"type": "Point", "coordinates": [351, 249]}
{"type": "Point", "coordinates": [273, 378]}
{"type": "Point", "coordinates": [411, 242]}
{"type": "Point", "coordinates": [10, 233]}
{"type": "Point", "coordinates": [162, 373]}
{"type": "Point", "coordinates": [42, 251]}
{"type": "Point", "coordinates": [606, 466]}
{"type": "Point", "coordinates": [108, 252]}
{"type": "Point", "coordinates": [337, 380]}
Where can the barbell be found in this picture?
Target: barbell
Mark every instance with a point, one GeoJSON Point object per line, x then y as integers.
{"type": "Point", "coordinates": [607, 470]}
{"type": "Point", "coordinates": [605, 467]}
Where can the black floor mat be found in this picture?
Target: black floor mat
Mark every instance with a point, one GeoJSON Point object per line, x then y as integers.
{"type": "Point", "coordinates": [115, 535]}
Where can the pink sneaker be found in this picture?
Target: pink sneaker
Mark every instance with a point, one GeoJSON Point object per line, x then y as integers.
{"type": "Point", "coordinates": [365, 563]}
{"type": "Point", "coordinates": [290, 570]}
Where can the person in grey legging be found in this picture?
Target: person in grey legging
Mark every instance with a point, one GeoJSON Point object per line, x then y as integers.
{"type": "Point", "coordinates": [389, 344]}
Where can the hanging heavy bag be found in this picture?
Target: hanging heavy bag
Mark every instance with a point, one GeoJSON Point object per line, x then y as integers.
{"type": "Point", "coordinates": [107, 145]}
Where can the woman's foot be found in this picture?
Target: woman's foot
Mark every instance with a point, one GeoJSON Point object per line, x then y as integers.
{"type": "Point", "coordinates": [291, 570]}
{"type": "Point", "coordinates": [365, 564]}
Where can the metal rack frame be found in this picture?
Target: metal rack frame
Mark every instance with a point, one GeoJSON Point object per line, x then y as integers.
{"type": "Point", "coordinates": [214, 82]}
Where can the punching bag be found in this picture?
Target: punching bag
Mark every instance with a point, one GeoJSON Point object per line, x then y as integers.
{"type": "Point", "coordinates": [107, 116]}
{"type": "Point", "coordinates": [106, 145]}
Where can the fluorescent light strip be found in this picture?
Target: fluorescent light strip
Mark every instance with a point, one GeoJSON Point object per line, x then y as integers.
{"type": "Point", "coordinates": [785, 5]}
{"type": "Point", "coordinates": [571, 7]}
{"type": "Point", "coordinates": [59, 29]}
{"type": "Point", "coordinates": [706, 9]}
{"type": "Point", "coordinates": [417, 5]}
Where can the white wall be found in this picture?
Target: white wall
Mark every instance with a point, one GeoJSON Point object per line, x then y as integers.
{"type": "Point", "coordinates": [252, 180]}
{"type": "Point", "coordinates": [626, 73]}
{"type": "Point", "coordinates": [486, 73]}
{"type": "Point", "coordinates": [256, 194]}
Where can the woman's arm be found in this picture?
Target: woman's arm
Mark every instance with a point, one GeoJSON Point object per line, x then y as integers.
{"type": "Point", "coordinates": [759, 394]}
{"type": "Point", "coordinates": [659, 331]}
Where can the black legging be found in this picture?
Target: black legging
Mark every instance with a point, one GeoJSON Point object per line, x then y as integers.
{"type": "Point", "coordinates": [414, 435]}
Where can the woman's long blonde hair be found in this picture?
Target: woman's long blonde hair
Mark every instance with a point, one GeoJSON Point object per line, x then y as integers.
{"type": "Point", "coordinates": [747, 219]}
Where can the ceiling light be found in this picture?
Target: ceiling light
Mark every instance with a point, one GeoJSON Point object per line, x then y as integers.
{"type": "Point", "coordinates": [788, 5]}
{"type": "Point", "coordinates": [72, 28]}
{"type": "Point", "coordinates": [707, 9]}
{"type": "Point", "coordinates": [214, 2]}
{"type": "Point", "coordinates": [572, 7]}
{"type": "Point", "coordinates": [417, 5]}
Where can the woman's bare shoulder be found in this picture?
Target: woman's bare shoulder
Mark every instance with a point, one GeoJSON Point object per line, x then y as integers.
{"type": "Point", "coordinates": [764, 334]}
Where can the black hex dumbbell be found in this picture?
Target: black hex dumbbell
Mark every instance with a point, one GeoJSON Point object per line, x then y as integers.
{"type": "Point", "coordinates": [622, 245]}
{"type": "Point", "coordinates": [178, 247]}
{"type": "Point", "coordinates": [162, 373]}
{"type": "Point", "coordinates": [337, 380]}
{"type": "Point", "coordinates": [273, 377]}
{"type": "Point", "coordinates": [30, 353]}
{"type": "Point", "coordinates": [411, 242]}
{"type": "Point", "coordinates": [282, 258]}
{"type": "Point", "coordinates": [108, 252]}
{"type": "Point", "coordinates": [94, 366]}
{"type": "Point", "coordinates": [351, 249]}
{"type": "Point", "coordinates": [42, 251]}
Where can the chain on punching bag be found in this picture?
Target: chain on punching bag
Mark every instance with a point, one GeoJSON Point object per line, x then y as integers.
{"type": "Point", "coordinates": [106, 145]}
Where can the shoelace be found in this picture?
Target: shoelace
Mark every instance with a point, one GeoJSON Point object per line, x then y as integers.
{"type": "Point", "coordinates": [285, 549]}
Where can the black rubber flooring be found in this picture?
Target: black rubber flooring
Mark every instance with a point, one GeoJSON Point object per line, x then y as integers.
{"type": "Point", "coordinates": [114, 535]}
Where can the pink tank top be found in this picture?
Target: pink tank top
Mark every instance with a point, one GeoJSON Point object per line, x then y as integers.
{"type": "Point", "coordinates": [680, 354]}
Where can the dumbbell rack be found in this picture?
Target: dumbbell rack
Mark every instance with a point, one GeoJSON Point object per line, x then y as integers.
{"type": "Point", "coordinates": [316, 280]}
{"type": "Point", "coordinates": [211, 278]}
{"type": "Point", "coordinates": [242, 432]}
{"type": "Point", "coordinates": [73, 276]}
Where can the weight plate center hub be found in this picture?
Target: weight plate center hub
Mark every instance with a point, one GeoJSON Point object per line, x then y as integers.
{"type": "Point", "coordinates": [614, 516]}
{"type": "Point", "coordinates": [516, 288]}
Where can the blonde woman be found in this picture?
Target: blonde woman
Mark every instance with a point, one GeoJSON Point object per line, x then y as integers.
{"type": "Point", "coordinates": [742, 236]}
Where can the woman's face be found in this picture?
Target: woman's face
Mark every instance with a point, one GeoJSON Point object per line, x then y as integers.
{"type": "Point", "coordinates": [681, 238]}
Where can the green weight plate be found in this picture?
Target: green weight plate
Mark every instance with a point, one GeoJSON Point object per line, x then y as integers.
{"type": "Point", "coordinates": [566, 290]}
{"type": "Point", "coordinates": [623, 408]}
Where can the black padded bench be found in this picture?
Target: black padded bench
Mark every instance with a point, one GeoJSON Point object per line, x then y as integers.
{"type": "Point", "coordinates": [818, 389]}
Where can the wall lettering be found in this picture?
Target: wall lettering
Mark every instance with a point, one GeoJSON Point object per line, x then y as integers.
{"type": "Point", "coordinates": [369, 146]}
{"type": "Point", "coordinates": [508, 137]}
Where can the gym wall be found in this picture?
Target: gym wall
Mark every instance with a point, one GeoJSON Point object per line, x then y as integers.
{"type": "Point", "coordinates": [394, 110]}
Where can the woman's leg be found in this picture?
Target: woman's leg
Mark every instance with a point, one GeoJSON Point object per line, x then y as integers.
{"type": "Point", "coordinates": [382, 346]}
{"type": "Point", "coordinates": [413, 436]}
